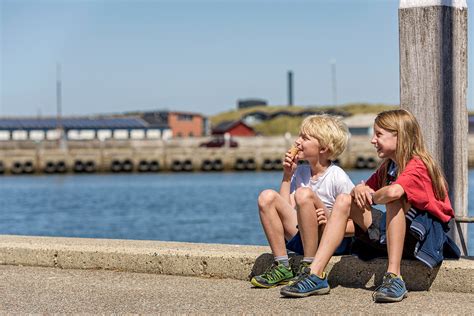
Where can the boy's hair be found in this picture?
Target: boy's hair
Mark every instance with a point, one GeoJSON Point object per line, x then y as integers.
{"type": "Point", "coordinates": [404, 125]}
{"type": "Point", "coordinates": [330, 131]}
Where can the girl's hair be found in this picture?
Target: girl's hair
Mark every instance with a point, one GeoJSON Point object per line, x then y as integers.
{"type": "Point", "coordinates": [330, 131]}
{"type": "Point", "coordinates": [404, 125]}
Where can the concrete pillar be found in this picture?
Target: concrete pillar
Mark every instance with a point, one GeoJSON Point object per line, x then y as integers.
{"type": "Point", "coordinates": [433, 83]}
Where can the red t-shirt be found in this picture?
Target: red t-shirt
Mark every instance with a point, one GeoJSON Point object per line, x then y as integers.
{"type": "Point", "coordinates": [416, 182]}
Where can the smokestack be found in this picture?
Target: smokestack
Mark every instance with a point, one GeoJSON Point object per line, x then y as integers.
{"type": "Point", "coordinates": [290, 88]}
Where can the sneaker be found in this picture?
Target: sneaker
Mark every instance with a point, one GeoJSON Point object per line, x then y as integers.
{"type": "Point", "coordinates": [301, 269]}
{"type": "Point", "coordinates": [277, 274]}
{"type": "Point", "coordinates": [308, 284]}
{"type": "Point", "coordinates": [393, 289]}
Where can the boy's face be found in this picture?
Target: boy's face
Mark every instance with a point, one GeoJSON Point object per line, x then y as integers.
{"type": "Point", "coordinates": [385, 142]}
{"type": "Point", "coordinates": [309, 147]}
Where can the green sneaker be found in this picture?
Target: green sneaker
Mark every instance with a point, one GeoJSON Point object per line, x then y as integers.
{"type": "Point", "coordinates": [275, 275]}
{"type": "Point", "coordinates": [301, 268]}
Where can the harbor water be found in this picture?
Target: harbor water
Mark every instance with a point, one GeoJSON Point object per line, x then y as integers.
{"type": "Point", "coordinates": [190, 207]}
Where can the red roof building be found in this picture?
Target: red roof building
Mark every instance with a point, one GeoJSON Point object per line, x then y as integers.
{"type": "Point", "coordinates": [234, 128]}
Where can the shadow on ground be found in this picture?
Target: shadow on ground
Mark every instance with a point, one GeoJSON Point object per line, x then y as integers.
{"type": "Point", "coordinates": [349, 271]}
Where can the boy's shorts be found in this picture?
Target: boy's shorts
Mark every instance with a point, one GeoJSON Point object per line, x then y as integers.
{"type": "Point", "coordinates": [296, 245]}
{"type": "Point", "coordinates": [372, 243]}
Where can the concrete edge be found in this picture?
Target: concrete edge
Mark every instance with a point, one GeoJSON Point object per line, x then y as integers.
{"type": "Point", "coordinates": [216, 260]}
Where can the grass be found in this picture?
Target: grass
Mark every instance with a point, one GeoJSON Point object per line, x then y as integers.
{"type": "Point", "coordinates": [281, 125]}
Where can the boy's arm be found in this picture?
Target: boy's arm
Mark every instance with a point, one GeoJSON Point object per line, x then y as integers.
{"type": "Point", "coordinates": [285, 188]}
{"type": "Point", "coordinates": [388, 194]}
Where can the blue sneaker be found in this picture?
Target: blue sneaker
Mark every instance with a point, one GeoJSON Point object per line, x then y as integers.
{"type": "Point", "coordinates": [308, 284]}
{"type": "Point", "coordinates": [393, 289]}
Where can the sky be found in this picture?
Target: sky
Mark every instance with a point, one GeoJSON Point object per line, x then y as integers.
{"type": "Point", "coordinates": [195, 55]}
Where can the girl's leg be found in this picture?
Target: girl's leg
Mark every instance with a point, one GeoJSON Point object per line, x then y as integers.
{"type": "Point", "coordinates": [396, 229]}
{"type": "Point", "coordinates": [335, 229]}
{"type": "Point", "coordinates": [306, 204]}
{"type": "Point", "coordinates": [278, 220]}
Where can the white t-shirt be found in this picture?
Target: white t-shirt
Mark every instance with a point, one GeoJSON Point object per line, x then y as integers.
{"type": "Point", "coordinates": [328, 186]}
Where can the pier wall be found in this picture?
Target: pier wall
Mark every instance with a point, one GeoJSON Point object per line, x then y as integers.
{"type": "Point", "coordinates": [239, 262]}
{"type": "Point", "coordinates": [177, 155]}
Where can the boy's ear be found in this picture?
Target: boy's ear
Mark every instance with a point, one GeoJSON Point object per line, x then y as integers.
{"type": "Point", "coordinates": [323, 150]}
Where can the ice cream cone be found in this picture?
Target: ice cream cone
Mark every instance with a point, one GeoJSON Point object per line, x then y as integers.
{"type": "Point", "coordinates": [293, 152]}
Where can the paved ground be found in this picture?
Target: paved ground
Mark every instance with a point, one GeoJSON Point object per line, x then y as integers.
{"type": "Point", "coordinates": [53, 290]}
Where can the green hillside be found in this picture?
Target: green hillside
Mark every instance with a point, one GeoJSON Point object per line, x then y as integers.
{"type": "Point", "coordinates": [280, 125]}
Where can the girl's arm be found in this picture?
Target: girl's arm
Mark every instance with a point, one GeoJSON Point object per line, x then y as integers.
{"type": "Point", "coordinates": [362, 195]}
{"type": "Point", "coordinates": [388, 194]}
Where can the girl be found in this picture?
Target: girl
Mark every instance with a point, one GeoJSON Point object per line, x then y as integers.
{"type": "Point", "coordinates": [412, 187]}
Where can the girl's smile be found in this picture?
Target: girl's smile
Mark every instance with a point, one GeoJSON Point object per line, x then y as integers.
{"type": "Point", "coordinates": [385, 142]}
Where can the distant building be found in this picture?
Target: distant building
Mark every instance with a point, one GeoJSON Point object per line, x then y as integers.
{"type": "Point", "coordinates": [254, 118]}
{"type": "Point", "coordinates": [79, 128]}
{"type": "Point", "coordinates": [182, 124]}
{"type": "Point", "coordinates": [233, 128]}
{"type": "Point", "coordinates": [360, 124]}
{"type": "Point", "coordinates": [471, 124]}
{"type": "Point", "coordinates": [250, 103]}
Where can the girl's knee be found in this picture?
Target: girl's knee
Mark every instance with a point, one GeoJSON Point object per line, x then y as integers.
{"type": "Point", "coordinates": [266, 198]}
{"type": "Point", "coordinates": [397, 205]}
{"type": "Point", "coordinates": [303, 195]}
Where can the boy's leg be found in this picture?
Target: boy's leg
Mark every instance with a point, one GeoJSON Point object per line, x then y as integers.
{"type": "Point", "coordinates": [396, 230]}
{"type": "Point", "coordinates": [278, 220]}
{"type": "Point", "coordinates": [335, 229]}
{"type": "Point", "coordinates": [306, 204]}
{"type": "Point", "coordinates": [315, 280]}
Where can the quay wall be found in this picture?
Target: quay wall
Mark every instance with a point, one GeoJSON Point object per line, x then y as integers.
{"type": "Point", "coordinates": [239, 262]}
{"type": "Point", "coordinates": [177, 155]}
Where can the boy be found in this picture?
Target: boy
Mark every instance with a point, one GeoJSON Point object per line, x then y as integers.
{"type": "Point", "coordinates": [306, 197]}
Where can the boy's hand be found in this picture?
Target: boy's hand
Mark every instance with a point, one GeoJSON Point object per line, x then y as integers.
{"type": "Point", "coordinates": [322, 217]}
{"type": "Point", "coordinates": [362, 195]}
{"type": "Point", "coordinates": [289, 163]}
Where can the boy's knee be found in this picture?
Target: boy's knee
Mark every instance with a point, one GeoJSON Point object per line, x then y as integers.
{"type": "Point", "coordinates": [344, 200]}
{"type": "Point", "coordinates": [266, 198]}
{"type": "Point", "coordinates": [343, 204]}
{"type": "Point", "coordinates": [303, 195]}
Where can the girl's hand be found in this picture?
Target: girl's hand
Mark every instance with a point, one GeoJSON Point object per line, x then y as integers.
{"type": "Point", "coordinates": [362, 195]}
{"type": "Point", "coordinates": [322, 217]}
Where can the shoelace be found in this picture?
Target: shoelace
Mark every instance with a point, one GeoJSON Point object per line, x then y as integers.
{"type": "Point", "coordinates": [301, 272]}
{"type": "Point", "coordinates": [271, 273]}
{"type": "Point", "coordinates": [302, 276]}
{"type": "Point", "coordinates": [387, 282]}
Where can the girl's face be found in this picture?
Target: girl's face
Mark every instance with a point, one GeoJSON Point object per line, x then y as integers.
{"type": "Point", "coordinates": [309, 147]}
{"type": "Point", "coordinates": [385, 142]}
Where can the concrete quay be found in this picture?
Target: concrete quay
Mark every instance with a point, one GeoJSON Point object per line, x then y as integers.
{"type": "Point", "coordinates": [216, 261]}
{"type": "Point", "coordinates": [52, 290]}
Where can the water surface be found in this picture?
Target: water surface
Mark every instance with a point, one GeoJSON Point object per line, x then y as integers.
{"type": "Point", "coordinates": [193, 207]}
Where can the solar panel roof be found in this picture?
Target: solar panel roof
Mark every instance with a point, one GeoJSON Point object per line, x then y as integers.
{"type": "Point", "coordinates": [73, 123]}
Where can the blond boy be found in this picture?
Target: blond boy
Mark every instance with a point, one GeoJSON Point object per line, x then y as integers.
{"type": "Point", "coordinates": [295, 217]}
